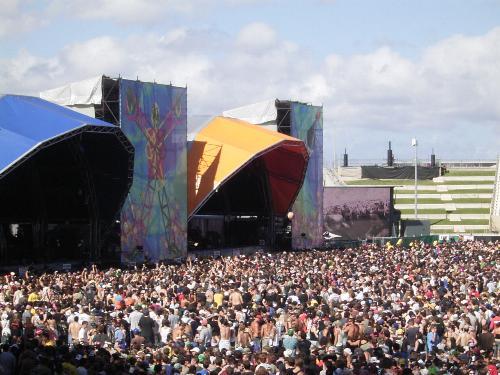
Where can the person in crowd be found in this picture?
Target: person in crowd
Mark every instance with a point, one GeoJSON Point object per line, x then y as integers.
{"type": "Point", "coordinates": [420, 309]}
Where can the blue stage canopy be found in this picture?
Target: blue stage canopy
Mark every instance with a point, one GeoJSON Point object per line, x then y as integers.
{"type": "Point", "coordinates": [63, 178]}
{"type": "Point", "coordinates": [29, 123]}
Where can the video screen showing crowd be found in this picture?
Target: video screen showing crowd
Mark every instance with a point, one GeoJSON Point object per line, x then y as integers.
{"type": "Point", "coordinates": [358, 213]}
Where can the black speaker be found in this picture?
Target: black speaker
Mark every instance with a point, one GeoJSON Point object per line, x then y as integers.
{"type": "Point", "coordinates": [413, 228]}
{"type": "Point", "coordinates": [390, 158]}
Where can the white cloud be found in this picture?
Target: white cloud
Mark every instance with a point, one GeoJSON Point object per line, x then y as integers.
{"type": "Point", "coordinates": [139, 11]}
{"type": "Point", "coordinates": [257, 37]}
{"type": "Point", "coordinates": [454, 80]}
{"type": "Point", "coordinates": [15, 20]}
{"type": "Point", "coordinates": [26, 74]}
{"type": "Point", "coordinates": [131, 11]}
{"type": "Point", "coordinates": [18, 17]}
{"type": "Point", "coordinates": [453, 84]}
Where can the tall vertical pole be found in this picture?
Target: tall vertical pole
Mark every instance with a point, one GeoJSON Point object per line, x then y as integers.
{"type": "Point", "coordinates": [334, 150]}
{"type": "Point", "coordinates": [416, 178]}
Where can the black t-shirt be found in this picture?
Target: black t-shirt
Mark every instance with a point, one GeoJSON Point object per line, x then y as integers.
{"type": "Point", "coordinates": [321, 325]}
{"type": "Point", "coordinates": [389, 343]}
{"type": "Point", "coordinates": [194, 325]}
{"type": "Point", "coordinates": [303, 298]}
{"type": "Point", "coordinates": [100, 338]}
{"type": "Point", "coordinates": [247, 297]}
{"type": "Point", "coordinates": [313, 336]}
{"type": "Point", "coordinates": [146, 324]}
{"type": "Point", "coordinates": [411, 334]}
{"type": "Point", "coordinates": [421, 345]}
{"type": "Point", "coordinates": [304, 347]}
{"type": "Point", "coordinates": [128, 336]}
{"type": "Point", "coordinates": [271, 297]}
{"type": "Point", "coordinates": [485, 340]}
{"type": "Point", "coordinates": [312, 369]}
{"type": "Point", "coordinates": [215, 327]}
{"type": "Point", "coordinates": [16, 328]}
{"type": "Point", "coordinates": [201, 297]}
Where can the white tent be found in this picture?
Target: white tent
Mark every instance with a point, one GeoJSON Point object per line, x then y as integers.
{"type": "Point", "coordinates": [80, 96]}
{"type": "Point", "coordinates": [261, 113]}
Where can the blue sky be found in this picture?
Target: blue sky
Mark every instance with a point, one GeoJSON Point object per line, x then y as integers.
{"type": "Point", "coordinates": [384, 70]}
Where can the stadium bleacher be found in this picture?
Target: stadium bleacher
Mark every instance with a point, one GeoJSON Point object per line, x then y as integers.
{"type": "Point", "coordinates": [458, 202]}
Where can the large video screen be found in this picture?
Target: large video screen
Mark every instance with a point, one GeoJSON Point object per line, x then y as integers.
{"type": "Point", "coordinates": [358, 212]}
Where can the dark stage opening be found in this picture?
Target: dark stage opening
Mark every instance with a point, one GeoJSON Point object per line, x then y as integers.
{"type": "Point", "coordinates": [238, 214]}
{"type": "Point", "coordinates": [61, 204]}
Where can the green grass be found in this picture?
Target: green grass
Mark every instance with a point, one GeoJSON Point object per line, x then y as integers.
{"type": "Point", "coordinates": [458, 172]}
{"type": "Point", "coordinates": [472, 211]}
{"type": "Point", "coordinates": [469, 191]}
{"type": "Point", "coordinates": [466, 183]}
{"type": "Point", "coordinates": [442, 211]}
{"type": "Point", "coordinates": [450, 231]}
{"type": "Point", "coordinates": [412, 192]}
{"type": "Point", "coordinates": [419, 200]}
{"type": "Point", "coordinates": [466, 231]}
{"type": "Point", "coordinates": [435, 200]}
{"type": "Point", "coordinates": [462, 222]}
{"type": "Point", "coordinates": [455, 191]}
{"type": "Point", "coordinates": [470, 200]}
{"type": "Point", "coordinates": [389, 182]}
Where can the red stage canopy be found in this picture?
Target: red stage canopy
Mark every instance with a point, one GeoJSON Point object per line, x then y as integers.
{"type": "Point", "coordinates": [225, 146]}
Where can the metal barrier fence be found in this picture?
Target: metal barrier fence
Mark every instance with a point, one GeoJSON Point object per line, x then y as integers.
{"type": "Point", "coordinates": [483, 163]}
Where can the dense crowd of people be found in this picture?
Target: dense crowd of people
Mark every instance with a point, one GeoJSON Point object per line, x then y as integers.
{"type": "Point", "coordinates": [362, 209]}
{"type": "Point", "coordinates": [422, 309]}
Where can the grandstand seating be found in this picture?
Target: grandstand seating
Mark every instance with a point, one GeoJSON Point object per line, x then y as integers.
{"type": "Point", "coordinates": [458, 202]}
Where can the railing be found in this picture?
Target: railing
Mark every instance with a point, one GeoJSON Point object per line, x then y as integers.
{"type": "Point", "coordinates": [485, 163]}
{"type": "Point", "coordinates": [479, 163]}
{"type": "Point", "coordinates": [383, 162]}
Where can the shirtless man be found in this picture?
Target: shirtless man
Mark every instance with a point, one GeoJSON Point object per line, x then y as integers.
{"type": "Point", "coordinates": [256, 331]}
{"type": "Point", "coordinates": [352, 330]}
{"type": "Point", "coordinates": [225, 334]}
{"type": "Point", "coordinates": [268, 332]}
{"type": "Point", "coordinates": [177, 332]}
{"type": "Point", "coordinates": [73, 329]}
{"type": "Point", "coordinates": [235, 298]}
{"type": "Point", "coordinates": [244, 338]}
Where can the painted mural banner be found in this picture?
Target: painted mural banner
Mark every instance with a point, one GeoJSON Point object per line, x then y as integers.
{"type": "Point", "coordinates": [154, 216]}
{"type": "Point", "coordinates": [307, 224]}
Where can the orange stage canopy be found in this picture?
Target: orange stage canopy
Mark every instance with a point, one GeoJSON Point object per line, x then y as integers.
{"type": "Point", "coordinates": [226, 145]}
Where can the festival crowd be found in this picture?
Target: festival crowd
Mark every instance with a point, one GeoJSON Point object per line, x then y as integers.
{"type": "Point", "coordinates": [421, 309]}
